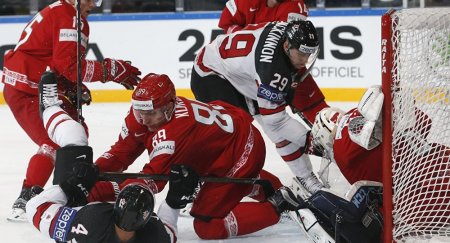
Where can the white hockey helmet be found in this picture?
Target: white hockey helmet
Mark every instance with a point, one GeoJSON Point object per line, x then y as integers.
{"type": "Point", "coordinates": [324, 129]}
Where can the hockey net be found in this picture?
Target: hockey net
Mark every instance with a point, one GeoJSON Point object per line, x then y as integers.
{"type": "Point", "coordinates": [416, 124]}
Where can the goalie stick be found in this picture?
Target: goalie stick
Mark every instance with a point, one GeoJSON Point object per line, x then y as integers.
{"type": "Point", "coordinates": [265, 184]}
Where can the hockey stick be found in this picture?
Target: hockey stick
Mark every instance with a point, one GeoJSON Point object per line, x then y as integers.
{"type": "Point", "coordinates": [79, 68]}
{"type": "Point", "coordinates": [265, 184]}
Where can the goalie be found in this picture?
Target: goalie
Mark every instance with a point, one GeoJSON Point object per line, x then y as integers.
{"type": "Point", "coordinates": [352, 140]}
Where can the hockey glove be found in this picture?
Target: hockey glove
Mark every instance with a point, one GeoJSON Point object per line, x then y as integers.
{"type": "Point", "coordinates": [182, 183]}
{"type": "Point", "coordinates": [78, 185]}
{"type": "Point", "coordinates": [371, 103]}
{"type": "Point", "coordinates": [121, 72]}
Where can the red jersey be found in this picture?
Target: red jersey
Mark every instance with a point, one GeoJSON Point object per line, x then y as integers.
{"type": "Point", "coordinates": [355, 162]}
{"type": "Point", "coordinates": [129, 146]}
{"type": "Point", "coordinates": [239, 13]}
{"type": "Point", "coordinates": [214, 139]}
{"type": "Point", "coordinates": [49, 39]}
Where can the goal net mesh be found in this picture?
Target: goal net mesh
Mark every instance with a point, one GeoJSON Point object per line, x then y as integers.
{"type": "Point", "coordinates": [420, 92]}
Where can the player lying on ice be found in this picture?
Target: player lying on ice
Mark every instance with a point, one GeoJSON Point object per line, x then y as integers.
{"type": "Point", "coordinates": [351, 140]}
{"type": "Point", "coordinates": [188, 139]}
{"type": "Point", "coordinates": [76, 208]}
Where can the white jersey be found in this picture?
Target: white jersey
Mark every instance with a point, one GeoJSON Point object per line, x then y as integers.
{"type": "Point", "coordinates": [254, 62]}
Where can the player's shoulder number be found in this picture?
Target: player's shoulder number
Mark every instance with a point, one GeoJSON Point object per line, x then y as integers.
{"type": "Point", "coordinates": [79, 230]}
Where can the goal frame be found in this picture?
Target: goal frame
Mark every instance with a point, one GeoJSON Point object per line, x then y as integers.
{"type": "Point", "coordinates": [386, 77]}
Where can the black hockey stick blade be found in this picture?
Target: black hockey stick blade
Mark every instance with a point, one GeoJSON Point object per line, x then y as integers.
{"type": "Point", "coordinates": [119, 177]}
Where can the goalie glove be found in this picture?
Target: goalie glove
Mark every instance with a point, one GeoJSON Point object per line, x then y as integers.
{"type": "Point", "coordinates": [182, 183]}
{"type": "Point", "coordinates": [371, 103]}
{"type": "Point", "coordinates": [121, 72]}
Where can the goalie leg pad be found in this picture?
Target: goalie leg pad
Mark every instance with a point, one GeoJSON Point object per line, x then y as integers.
{"type": "Point", "coordinates": [357, 220]}
{"type": "Point", "coordinates": [311, 226]}
{"type": "Point", "coordinates": [67, 157]}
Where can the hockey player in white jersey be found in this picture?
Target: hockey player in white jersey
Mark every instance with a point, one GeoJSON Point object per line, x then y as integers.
{"type": "Point", "coordinates": [258, 69]}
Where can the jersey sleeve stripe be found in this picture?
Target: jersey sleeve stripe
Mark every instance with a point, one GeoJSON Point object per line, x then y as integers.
{"type": "Point", "coordinates": [200, 62]}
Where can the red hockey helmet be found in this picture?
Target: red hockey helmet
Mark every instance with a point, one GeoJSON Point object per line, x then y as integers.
{"type": "Point", "coordinates": [153, 92]}
{"type": "Point", "coordinates": [153, 95]}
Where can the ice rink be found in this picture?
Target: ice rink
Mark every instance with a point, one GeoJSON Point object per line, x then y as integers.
{"type": "Point", "coordinates": [104, 121]}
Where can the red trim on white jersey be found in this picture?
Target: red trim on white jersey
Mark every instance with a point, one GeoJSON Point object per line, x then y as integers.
{"type": "Point", "coordinates": [266, 112]}
{"type": "Point", "coordinates": [40, 210]}
{"type": "Point", "coordinates": [200, 62]}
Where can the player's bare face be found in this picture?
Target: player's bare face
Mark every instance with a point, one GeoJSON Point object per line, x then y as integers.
{"type": "Point", "coordinates": [154, 119]}
{"type": "Point", "coordinates": [298, 58]}
{"type": "Point", "coordinates": [86, 6]}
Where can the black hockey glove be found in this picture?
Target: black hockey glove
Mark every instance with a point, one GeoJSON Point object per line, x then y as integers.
{"type": "Point", "coordinates": [78, 185]}
{"type": "Point", "coordinates": [182, 183]}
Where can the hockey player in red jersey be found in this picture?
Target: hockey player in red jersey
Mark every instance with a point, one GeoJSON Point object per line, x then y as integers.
{"type": "Point", "coordinates": [263, 69]}
{"type": "Point", "coordinates": [191, 139]}
{"type": "Point", "coordinates": [239, 13]}
{"type": "Point", "coordinates": [50, 40]}
{"type": "Point", "coordinates": [352, 139]}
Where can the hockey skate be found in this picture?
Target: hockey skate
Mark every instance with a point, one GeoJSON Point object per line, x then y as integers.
{"type": "Point", "coordinates": [304, 187]}
{"type": "Point", "coordinates": [48, 91]}
{"type": "Point", "coordinates": [284, 200]}
{"type": "Point", "coordinates": [18, 213]}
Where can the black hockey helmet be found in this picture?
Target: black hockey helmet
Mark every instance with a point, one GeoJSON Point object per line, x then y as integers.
{"type": "Point", "coordinates": [133, 207]}
{"type": "Point", "coordinates": [302, 35]}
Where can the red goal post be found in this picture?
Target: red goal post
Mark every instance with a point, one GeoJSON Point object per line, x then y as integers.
{"type": "Point", "coordinates": [415, 53]}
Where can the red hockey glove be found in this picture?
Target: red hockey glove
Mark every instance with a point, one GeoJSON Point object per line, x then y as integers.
{"type": "Point", "coordinates": [121, 72]}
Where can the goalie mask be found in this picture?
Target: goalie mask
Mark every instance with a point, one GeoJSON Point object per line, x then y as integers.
{"type": "Point", "coordinates": [324, 129]}
{"type": "Point", "coordinates": [153, 101]}
{"type": "Point", "coordinates": [133, 207]}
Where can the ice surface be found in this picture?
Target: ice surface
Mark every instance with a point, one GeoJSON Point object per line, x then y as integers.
{"type": "Point", "coordinates": [104, 121]}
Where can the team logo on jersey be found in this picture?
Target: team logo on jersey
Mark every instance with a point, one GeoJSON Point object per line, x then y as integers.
{"type": "Point", "coordinates": [63, 223]}
{"type": "Point", "coordinates": [72, 35]}
{"type": "Point", "coordinates": [231, 6]}
{"type": "Point", "coordinates": [270, 94]}
{"type": "Point", "coordinates": [124, 131]}
{"type": "Point", "coordinates": [164, 147]}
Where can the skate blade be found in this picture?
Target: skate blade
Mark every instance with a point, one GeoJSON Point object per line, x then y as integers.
{"type": "Point", "coordinates": [17, 215]}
